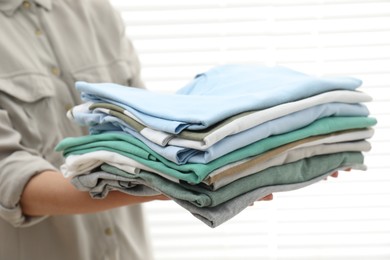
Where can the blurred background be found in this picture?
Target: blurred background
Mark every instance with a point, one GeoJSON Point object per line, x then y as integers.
{"type": "Point", "coordinates": [344, 218]}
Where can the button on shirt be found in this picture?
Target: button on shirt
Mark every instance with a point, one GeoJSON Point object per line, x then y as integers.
{"type": "Point", "coordinates": [45, 49]}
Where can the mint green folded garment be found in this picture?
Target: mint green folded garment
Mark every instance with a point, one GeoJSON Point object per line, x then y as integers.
{"type": "Point", "coordinates": [296, 172]}
{"type": "Point", "coordinates": [127, 145]}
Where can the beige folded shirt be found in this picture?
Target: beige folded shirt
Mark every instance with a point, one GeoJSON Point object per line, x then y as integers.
{"type": "Point", "coordinates": [45, 47]}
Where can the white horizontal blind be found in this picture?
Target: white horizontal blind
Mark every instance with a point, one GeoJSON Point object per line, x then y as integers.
{"type": "Point", "coordinates": [343, 218]}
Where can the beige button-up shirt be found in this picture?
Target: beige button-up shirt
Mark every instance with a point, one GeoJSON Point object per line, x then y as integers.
{"type": "Point", "coordinates": [45, 46]}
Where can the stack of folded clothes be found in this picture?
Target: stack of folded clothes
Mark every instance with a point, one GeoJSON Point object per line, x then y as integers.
{"type": "Point", "coordinates": [234, 134]}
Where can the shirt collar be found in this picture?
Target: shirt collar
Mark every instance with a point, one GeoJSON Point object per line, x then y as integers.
{"type": "Point", "coordinates": [9, 6]}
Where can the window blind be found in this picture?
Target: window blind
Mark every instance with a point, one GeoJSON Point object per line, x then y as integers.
{"type": "Point", "coordinates": [343, 218]}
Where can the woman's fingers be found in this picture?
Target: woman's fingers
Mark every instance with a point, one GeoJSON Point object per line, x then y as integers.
{"type": "Point", "coordinates": [265, 198]}
{"type": "Point", "coordinates": [268, 197]}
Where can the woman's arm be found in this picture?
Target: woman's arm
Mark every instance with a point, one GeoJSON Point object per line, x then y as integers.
{"type": "Point", "coordinates": [49, 193]}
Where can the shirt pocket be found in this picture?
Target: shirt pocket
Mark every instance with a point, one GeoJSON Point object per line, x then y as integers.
{"type": "Point", "coordinates": [27, 87]}
{"type": "Point", "coordinates": [119, 72]}
{"type": "Point", "coordinates": [28, 100]}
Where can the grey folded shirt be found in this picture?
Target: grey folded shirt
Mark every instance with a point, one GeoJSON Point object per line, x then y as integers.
{"type": "Point", "coordinates": [198, 197]}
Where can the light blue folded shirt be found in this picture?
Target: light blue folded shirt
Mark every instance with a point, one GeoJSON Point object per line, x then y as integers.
{"type": "Point", "coordinates": [181, 155]}
{"type": "Point", "coordinates": [215, 95]}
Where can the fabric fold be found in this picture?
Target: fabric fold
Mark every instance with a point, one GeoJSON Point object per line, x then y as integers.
{"type": "Point", "coordinates": [211, 206]}
{"type": "Point", "coordinates": [215, 95]}
{"type": "Point", "coordinates": [129, 146]}
{"type": "Point", "coordinates": [203, 139]}
{"type": "Point", "coordinates": [182, 155]}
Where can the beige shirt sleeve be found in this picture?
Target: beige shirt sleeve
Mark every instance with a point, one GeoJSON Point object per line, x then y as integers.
{"type": "Point", "coordinates": [18, 164]}
{"type": "Point", "coordinates": [23, 152]}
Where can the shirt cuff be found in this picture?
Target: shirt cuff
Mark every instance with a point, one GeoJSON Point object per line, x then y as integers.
{"type": "Point", "coordinates": [16, 171]}
{"type": "Point", "coordinates": [16, 218]}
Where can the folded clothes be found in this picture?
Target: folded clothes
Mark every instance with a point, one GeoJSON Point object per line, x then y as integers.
{"type": "Point", "coordinates": [343, 137]}
{"type": "Point", "coordinates": [93, 113]}
{"type": "Point", "coordinates": [295, 172]}
{"type": "Point", "coordinates": [340, 141]}
{"type": "Point", "coordinates": [215, 95]}
{"type": "Point", "coordinates": [211, 216]}
{"type": "Point", "coordinates": [215, 216]}
{"type": "Point", "coordinates": [127, 145]}
{"type": "Point", "coordinates": [232, 135]}
{"type": "Point", "coordinates": [77, 164]}
{"type": "Point", "coordinates": [290, 122]}
{"type": "Point", "coordinates": [253, 166]}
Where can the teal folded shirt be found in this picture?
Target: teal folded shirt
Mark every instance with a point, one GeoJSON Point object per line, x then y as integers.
{"type": "Point", "coordinates": [127, 145]}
